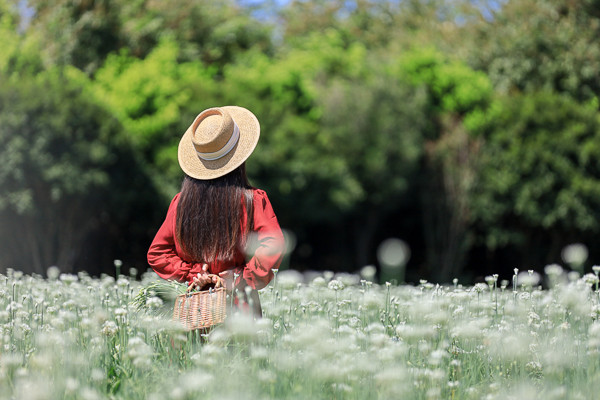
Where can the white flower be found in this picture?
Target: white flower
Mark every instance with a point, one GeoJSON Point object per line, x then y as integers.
{"type": "Point", "coordinates": [573, 276]}
{"type": "Point", "coordinates": [575, 254]}
{"type": "Point", "coordinates": [122, 282]}
{"type": "Point", "coordinates": [120, 312]}
{"type": "Point", "coordinates": [109, 328]}
{"type": "Point", "coordinates": [594, 330]}
{"type": "Point", "coordinates": [458, 311]}
{"type": "Point", "coordinates": [89, 394]}
{"type": "Point", "coordinates": [368, 272]}
{"type": "Point", "coordinates": [53, 272]}
{"type": "Point", "coordinates": [71, 385]}
{"type": "Point", "coordinates": [194, 383]}
{"type": "Point", "coordinates": [436, 357]}
{"type": "Point", "coordinates": [68, 278]}
{"type": "Point", "coordinates": [319, 281]}
{"type": "Point", "coordinates": [348, 279]}
{"type": "Point", "coordinates": [553, 270]}
{"type": "Point", "coordinates": [590, 278]}
{"type": "Point", "coordinates": [97, 375]}
{"type": "Point", "coordinates": [341, 387]}
{"type": "Point", "coordinates": [472, 329]}
{"type": "Point", "coordinates": [154, 302]}
{"type": "Point", "coordinates": [393, 253]}
{"type": "Point", "coordinates": [529, 279]}
{"type": "Point", "coordinates": [533, 318]}
{"type": "Point", "coordinates": [335, 285]}
{"type": "Point", "coordinates": [266, 376]}
{"type": "Point", "coordinates": [139, 352]}
{"type": "Point", "coordinates": [289, 279]}
{"type": "Point", "coordinates": [241, 327]}
{"type": "Point", "coordinates": [524, 296]}
{"type": "Point", "coordinates": [534, 366]}
{"type": "Point", "coordinates": [480, 287]}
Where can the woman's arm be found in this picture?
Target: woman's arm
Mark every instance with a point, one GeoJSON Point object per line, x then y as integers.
{"type": "Point", "coordinates": [266, 244]}
{"type": "Point", "coordinates": [162, 255]}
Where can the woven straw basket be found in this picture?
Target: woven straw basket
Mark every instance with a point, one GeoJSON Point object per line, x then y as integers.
{"type": "Point", "coordinates": [201, 310]}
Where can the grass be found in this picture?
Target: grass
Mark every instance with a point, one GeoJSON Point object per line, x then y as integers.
{"type": "Point", "coordinates": [77, 337]}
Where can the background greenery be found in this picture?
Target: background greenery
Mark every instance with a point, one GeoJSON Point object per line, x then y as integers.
{"type": "Point", "coordinates": [468, 129]}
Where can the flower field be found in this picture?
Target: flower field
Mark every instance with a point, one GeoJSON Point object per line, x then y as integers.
{"type": "Point", "coordinates": [327, 337]}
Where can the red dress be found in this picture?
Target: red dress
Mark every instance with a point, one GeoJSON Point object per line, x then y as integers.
{"type": "Point", "coordinates": [167, 259]}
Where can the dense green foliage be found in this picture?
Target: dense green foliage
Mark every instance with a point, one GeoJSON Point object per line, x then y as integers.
{"type": "Point", "coordinates": [469, 129]}
{"type": "Point", "coordinates": [66, 171]}
{"type": "Point", "coordinates": [85, 33]}
{"type": "Point", "coordinates": [539, 174]}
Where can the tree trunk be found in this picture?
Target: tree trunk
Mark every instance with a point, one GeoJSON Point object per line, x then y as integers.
{"type": "Point", "coordinates": [451, 164]}
{"type": "Point", "coordinates": [364, 232]}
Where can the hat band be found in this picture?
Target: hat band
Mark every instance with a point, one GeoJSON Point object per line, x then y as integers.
{"type": "Point", "coordinates": [235, 136]}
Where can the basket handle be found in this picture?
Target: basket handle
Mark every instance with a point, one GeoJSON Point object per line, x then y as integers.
{"type": "Point", "coordinates": [219, 283]}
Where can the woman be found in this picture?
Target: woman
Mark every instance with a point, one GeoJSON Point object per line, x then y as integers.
{"type": "Point", "coordinates": [218, 224]}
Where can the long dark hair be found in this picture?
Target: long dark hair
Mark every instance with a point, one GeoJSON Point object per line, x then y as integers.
{"type": "Point", "coordinates": [210, 214]}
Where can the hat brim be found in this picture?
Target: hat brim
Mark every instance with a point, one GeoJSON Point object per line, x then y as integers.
{"type": "Point", "coordinates": [198, 168]}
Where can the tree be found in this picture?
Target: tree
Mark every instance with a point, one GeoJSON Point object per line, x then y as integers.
{"type": "Point", "coordinates": [373, 129]}
{"type": "Point", "coordinates": [457, 100]}
{"type": "Point", "coordinates": [20, 54]}
{"type": "Point", "coordinates": [155, 99]}
{"type": "Point", "coordinates": [377, 24]}
{"type": "Point", "coordinates": [78, 33]}
{"type": "Point", "coordinates": [65, 171]}
{"type": "Point", "coordinates": [340, 139]}
{"type": "Point", "coordinates": [84, 33]}
{"type": "Point", "coordinates": [540, 45]}
{"type": "Point", "coordinates": [538, 186]}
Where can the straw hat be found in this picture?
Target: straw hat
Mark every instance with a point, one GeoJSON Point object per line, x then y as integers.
{"type": "Point", "coordinates": [218, 141]}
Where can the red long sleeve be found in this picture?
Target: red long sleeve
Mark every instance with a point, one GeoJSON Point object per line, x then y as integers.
{"type": "Point", "coordinates": [268, 241]}
{"type": "Point", "coordinates": [164, 255]}
{"type": "Point", "coordinates": [168, 261]}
